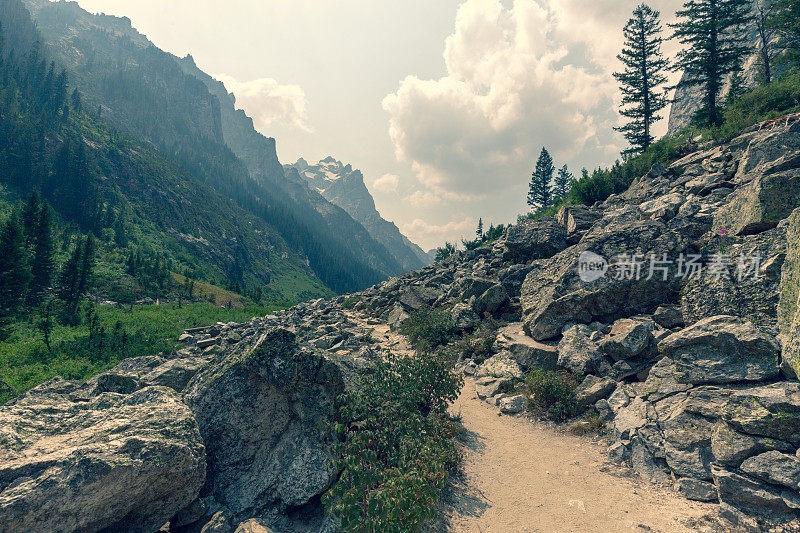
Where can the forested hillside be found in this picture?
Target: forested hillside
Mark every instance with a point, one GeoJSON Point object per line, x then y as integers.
{"type": "Point", "coordinates": [146, 92]}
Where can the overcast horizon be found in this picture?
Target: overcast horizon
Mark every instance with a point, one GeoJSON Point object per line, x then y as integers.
{"type": "Point", "coordinates": [444, 107]}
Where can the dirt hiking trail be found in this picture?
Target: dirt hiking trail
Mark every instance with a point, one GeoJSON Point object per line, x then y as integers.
{"type": "Point", "coordinates": [521, 476]}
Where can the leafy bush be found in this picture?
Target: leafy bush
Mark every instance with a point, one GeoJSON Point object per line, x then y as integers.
{"type": "Point", "coordinates": [428, 328]}
{"type": "Point", "coordinates": [350, 302]}
{"type": "Point", "coordinates": [779, 98]}
{"type": "Point", "coordinates": [445, 251]}
{"type": "Point", "coordinates": [494, 232]}
{"type": "Point", "coordinates": [605, 182]}
{"type": "Point", "coordinates": [472, 245]}
{"type": "Point", "coordinates": [397, 445]}
{"type": "Point", "coordinates": [476, 345]}
{"type": "Point", "coordinates": [552, 393]}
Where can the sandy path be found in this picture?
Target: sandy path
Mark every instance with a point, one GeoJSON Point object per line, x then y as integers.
{"type": "Point", "coordinates": [520, 476]}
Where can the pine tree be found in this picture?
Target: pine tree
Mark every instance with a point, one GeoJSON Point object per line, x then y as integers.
{"type": "Point", "coordinates": [540, 193]}
{"type": "Point", "coordinates": [14, 274]}
{"type": "Point", "coordinates": [736, 89]}
{"type": "Point", "coordinates": [785, 19]}
{"type": "Point", "coordinates": [479, 231]}
{"type": "Point", "coordinates": [87, 265]}
{"type": "Point", "coordinates": [76, 277]}
{"type": "Point", "coordinates": [43, 262]}
{"type": "Point", "coordinates": [45, 325]}
{"type": "Point", "coordinates": [77, 103]}
{"type": "Point", "coordinates": [765, 12]}
{"type": "Point", "coordinates": [644, 75]}
{"type": "Point", "coordinates": [712, 31]}
{"type": "Point", "coordinates": [563, 182]}
{"type": "Point", "coordinates": [30, 217]}
{"type": "Point", "coordinates": [68, 282]}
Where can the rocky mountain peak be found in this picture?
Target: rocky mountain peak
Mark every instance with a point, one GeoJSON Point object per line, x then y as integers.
{"type": "Point", "coordinates": [344, 186]}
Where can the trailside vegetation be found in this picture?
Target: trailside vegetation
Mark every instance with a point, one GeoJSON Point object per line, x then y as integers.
{"type": "Point", "coordinates": [397, 446]}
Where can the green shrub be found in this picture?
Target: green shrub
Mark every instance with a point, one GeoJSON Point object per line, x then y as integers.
{"type": "Point", "coordinates": [552, 393]}
{"type": "Point", "coordinates": [779, 98]}
{"type": "Point", "coordinates": [476, 345]}
{"type": "Point", "coordinates": [397, 445]}
{"type": "Point", "coordinates": [605, 182]}
{"type": "Point", "coordinates": [350, 302]}
{"type": "Point", "coordinates": [428, 328]}
{"type": "Point", "coordinates": [445, 251]}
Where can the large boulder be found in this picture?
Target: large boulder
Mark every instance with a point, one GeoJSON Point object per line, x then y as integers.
{"type": "Point", "coordinates": [580, 355]}
{"type": "Point", "coordinates": [175, 373]}
{"type": "Point", "coordinates": [776, 468]}
{"type": "Point", "coordinates": [722, 349]}
{"type": "Point", "coordinates": [628, 339]}
{"type": "Point", "coordinates": [755, 497]}
{"type": "Point", "coordinates": [664, 207]}
{"type": "Point", "coordinates": [117, 462]}
{"type": "Point", "coordinates": [493, 300]}
{"type": "Point", "coordinates": [761, 205]}
{"type": "Point", "coordinates": [788, 315]}
{"type": "Point", "coordinates": [558, 291]}
{"type": "Point", "coordinates": [749, 285]}
{"type": "Point", "coordinates": [577, 220]}
{"type": "Point", "coordinates": [263, 411]}
{"type": "Point", "coordinates": [501, 365]}
{"type": "Point", "coordinates": [771, 411]}
{"type": "Point", "coordinates": [770, 151]}
{"type": "Point", "coordinates": [415, 298]}
{"type": "Point", "coordinates": [464, 317]}
{"type": "Point", "coordinates": [535, 239]}
{"type": "Point", "coordinates": [527, 352]}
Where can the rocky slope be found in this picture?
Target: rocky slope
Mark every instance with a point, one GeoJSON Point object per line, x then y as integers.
{"type": "Point", "coordinates": [341, 185]}
{"type": "Point", "coordinates": [695, 375]}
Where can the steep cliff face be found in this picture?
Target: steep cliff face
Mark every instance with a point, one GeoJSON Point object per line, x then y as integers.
{"type": "Point", "coordinates": [344, 186]}
{"type": "Point", "coordinates": [689, 100]}
{"type": "Point", "coordinates": [192, 119]}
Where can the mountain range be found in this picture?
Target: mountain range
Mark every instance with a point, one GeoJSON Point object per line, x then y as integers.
{"type": "Point", "coordinates": [344, 186]}
{"type": "Point", "coordinates": [257, 222]}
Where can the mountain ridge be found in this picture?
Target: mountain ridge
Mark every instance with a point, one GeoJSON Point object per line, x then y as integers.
{"type": "Point", "coordinates": [344, 186]}
{"type": "Point", "coordinates": [192, 119]}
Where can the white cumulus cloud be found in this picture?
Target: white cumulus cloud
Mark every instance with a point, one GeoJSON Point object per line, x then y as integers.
{"type": "Point", "coordinates": [387, 183]}
{"type": "Point", "coordinates": [519, 76]}
{"type": "Point", "coordinates": [453, 230]}
{"type": "Point", "coordinates": [269, 103]}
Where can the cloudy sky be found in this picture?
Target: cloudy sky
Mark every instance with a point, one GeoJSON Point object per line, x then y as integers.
{"type": "Point", "coordinates": [444, 105]}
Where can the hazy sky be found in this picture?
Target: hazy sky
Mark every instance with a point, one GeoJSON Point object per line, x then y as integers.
{"type": "Point", "coordinates": [444, 105]}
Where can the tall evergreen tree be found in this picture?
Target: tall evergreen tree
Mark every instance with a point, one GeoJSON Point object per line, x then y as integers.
{"type": "Point", "coordinates": [76, 277]}
{"type": "Point", "coordinates": [736, 89]}
{"type": "Point", "coordinates": [765, 12]}
{"type": "Point", "coordinates": [642, 80]}
{"type": "Point", "coordinates": [540, 193]}
{"type": "Point", "coordinates": [785, 19]}
{"type": "Point", "coordinates": [43, 261]}
{"type": "Point", "coordinates": [563, 182]}
{"type": "Point", "coordinates": [479, 231]}
{"type": "Point", "coordinates": [14, 274]}
{"type": "Point", "coordinates": [30, 217]}
{"type": "Point", "coordinates": [713, 33]}
{"type": "Point", "coordinates": [87, 265]}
